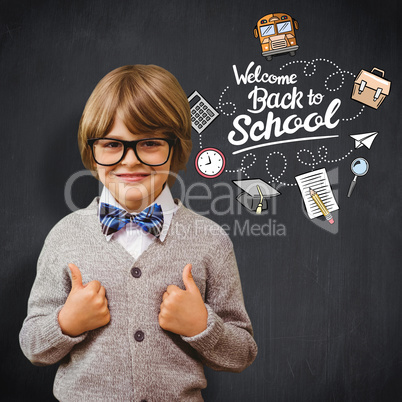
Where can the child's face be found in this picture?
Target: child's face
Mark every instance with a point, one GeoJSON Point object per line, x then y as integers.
{"type": "Point", "coordinates": [133, 184]}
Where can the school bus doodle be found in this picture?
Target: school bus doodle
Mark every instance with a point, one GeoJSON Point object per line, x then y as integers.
{"type": "Point", "coordinates": [276, 33]}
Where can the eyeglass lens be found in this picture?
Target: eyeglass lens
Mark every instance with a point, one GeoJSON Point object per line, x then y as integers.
{"type": "Point", "coordinates": [149, 151]}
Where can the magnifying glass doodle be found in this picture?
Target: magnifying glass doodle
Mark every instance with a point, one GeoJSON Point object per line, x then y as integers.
{"type": "Point", "coordinates": [359, 167]}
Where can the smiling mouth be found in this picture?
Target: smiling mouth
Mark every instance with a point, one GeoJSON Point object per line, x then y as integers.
{"type": "Point", "coordinates": [131, 177]}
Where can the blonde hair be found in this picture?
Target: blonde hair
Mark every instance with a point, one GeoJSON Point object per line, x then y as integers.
{"type": "Point", "coordinates": [147, 98]}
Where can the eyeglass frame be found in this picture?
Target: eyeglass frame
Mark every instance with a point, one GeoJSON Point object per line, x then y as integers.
{"type": "Point", "coordinates": [133, 145]}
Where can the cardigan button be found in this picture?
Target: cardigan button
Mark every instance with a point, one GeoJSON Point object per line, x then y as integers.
{"type": "Point", "coordinates": [136, 272]}
{"type": "Point", "coordinates": [139, 336]}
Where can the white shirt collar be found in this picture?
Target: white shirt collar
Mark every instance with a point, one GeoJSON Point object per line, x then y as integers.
{"type": "Point", "coordinates": [165, 200]}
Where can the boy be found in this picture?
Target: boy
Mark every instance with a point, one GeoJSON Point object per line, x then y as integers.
{"type": "Point", "coordinates": [134, 293]}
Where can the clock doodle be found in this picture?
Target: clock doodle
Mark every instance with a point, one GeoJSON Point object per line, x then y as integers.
{"type": "Point", "coordinates": [210, 162]}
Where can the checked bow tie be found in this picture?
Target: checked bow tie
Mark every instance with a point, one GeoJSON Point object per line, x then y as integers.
{"type": "Point", "coordinates": [113, 219]}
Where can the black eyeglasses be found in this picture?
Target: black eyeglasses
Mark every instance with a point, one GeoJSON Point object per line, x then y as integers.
{"type": "Point", "coordinates": [149, 151]}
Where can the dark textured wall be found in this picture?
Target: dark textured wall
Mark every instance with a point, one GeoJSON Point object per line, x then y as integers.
{"type": "Point", "coordinates": [325, 306]}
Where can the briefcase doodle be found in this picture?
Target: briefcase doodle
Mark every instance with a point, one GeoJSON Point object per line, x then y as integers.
{"type": "Point", "coordinates": [370, 88]}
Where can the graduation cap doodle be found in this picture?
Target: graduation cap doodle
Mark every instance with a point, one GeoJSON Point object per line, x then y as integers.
{"type": "Point", "coordinates": [255, 195]}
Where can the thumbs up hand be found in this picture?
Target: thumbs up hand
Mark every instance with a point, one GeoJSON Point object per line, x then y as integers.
{"type": "Point", "coordinates": [86, 306]}
{"type": "Point", "coordinates": [183, 311]}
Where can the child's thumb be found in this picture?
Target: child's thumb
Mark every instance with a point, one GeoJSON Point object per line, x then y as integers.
{"type": "Point", "coordinates": [188, 279]}
{"type": "Point", "coordinates": [76, 277]}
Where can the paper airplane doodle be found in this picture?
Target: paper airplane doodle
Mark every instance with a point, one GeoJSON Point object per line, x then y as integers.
{"type": "Point", "coordinates": [365, 139]}
{"type": "Point", "coordinates": [255, 194]}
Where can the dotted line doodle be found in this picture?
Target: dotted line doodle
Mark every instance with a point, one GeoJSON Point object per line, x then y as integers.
{"type": "Point", "coordinates": [305, 69]}
{"type": "Point", "coordinates": [221, 104]}
{"type": "Point", "coordinates": [314, 69]}
{"type": "Point", "coordinates": [354, 117]}
{"type": "Point", "coordinates": [285, 165]}
{"type": "Point", "coordinates": [329, 78]}
{"type": "Point", "coordinates": [243, 168]}
{"type": "Point", "coordinates": [322, 154]}
{"type": "Point", "coordinates": [310, 69]}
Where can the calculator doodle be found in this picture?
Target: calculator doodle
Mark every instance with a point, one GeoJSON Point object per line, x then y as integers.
{"type": "Point", "coordinates": [202, 113]}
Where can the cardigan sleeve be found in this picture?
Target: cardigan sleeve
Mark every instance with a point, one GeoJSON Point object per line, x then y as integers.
{"type": "Point", "coordinates": [41, 338]}
{"type": "Point", "coordinates": [227, 344]}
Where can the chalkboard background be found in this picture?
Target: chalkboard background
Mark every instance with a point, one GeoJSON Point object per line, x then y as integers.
{"type": "Point", "coordinates": [325, 306]}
